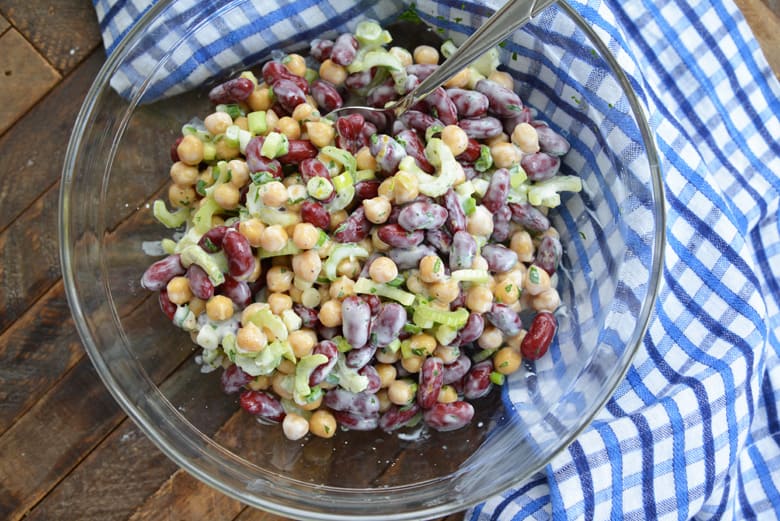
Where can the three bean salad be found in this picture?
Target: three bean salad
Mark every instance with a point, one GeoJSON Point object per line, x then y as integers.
{"type": "Point", "coordinates": [366, 273]}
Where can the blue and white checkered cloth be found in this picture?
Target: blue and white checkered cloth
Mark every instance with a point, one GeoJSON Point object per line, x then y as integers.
{"type": "Point", "coordinates": [693, 430]}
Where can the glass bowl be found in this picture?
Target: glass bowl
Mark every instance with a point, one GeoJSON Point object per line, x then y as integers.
{"type": "Point", "coordinates": [612, 232]}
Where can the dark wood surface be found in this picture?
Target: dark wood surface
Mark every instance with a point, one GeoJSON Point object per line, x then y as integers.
{"type": "Point", "coordinates": [67, 451]}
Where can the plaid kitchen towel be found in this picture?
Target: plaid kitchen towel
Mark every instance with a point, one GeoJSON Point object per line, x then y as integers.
{"type": "Point", "coordinates": [693, 430]}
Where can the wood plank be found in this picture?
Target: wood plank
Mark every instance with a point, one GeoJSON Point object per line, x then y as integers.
{"type": "Point", "coordinates": [25, 77]}
{"type": "Point", "coordinates": [64, 31]}
{"type": "Point", "coordinates": [764, 20]}
{"type": "Point", "coordinates": [3, 24]}
{"type": "Point", "coordinates": [253, 514]}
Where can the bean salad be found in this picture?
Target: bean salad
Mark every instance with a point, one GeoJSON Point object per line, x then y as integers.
{"type": "Point", "coordinates": [368, 272]}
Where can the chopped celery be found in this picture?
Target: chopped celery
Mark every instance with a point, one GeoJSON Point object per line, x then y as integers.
{"type": "Point", "coordinates": [448, 48]}
{"type": "Point", "coordinates": [517, 176]}
{"type": "Point", "coordinates": [288, 249]}
{"type": "Point", "coordinates": [202, 218]}
{"type": "Point", "coordinates": [339, 253]}
{"type": "Point", "coordinates": [344, 157]}
{"type": "Point", "coordinates": [445, 334]}
{"type": "Point", "coordinates": [375, 58]}
{"type": "Point", "coordinates": [196, 255]}
{"type": "Point", "coordinates": [497, 378]}
{"type": "Point", "coordinates": [303, 369]}
{"type": "Point", "coordinates": [196, 128]}
{"type": "Point", "coordinates": [276, 144]}
{"type": "Point", "coordinates": [485, 160]}
{"type": "Point", "coordinates": [547, 192]}
{"type": "Point", "coordinates": [487, 63]}
{"type": "Point", "coordinates": [310, 75]}
{"type": "Point", "coordinates": [168, 219]}
{"type": "Point", "coordinates": [480, 186]}
{"type": "Point", "coordinates": [273, 216]}
{"type": "Point", "coordinates": [483, 355]}
{"type": "Point", "coordinates": [447, 168]}
{"type": "Point", "coordinates": [231, 135]}
{"type": "Point", "coordinates": [345, 192]}
{"type": "Point", "coordinates": [257, 123]}
{"type": "Point", "coordinates": [469, 275]}
{"type": "Point", "coordinates": [456, 319]}
{"type": "Point", "coordinates": [469, 205]}
{"type": "Point", "coordinates": [364, 175]}
{"type": "Point", "coordinates": [231, 109]}
{"type": "Point", "coordinates": [250, 76]}
{"type": "Point", "coordinates": [371, 35]}
{"type": "Point", "coordinates": [431, 132]}
{"type": "Point", "coordinates": [394, 345]}
{"type": "Point", "coordinates": [266, 361]}
{"type": "Point", "coordinates": [263, 318]}
{"type": "Point", "coordinates": [349, 378]}
{"type": "Point", "coordinates": [406, 349]}
{"type": "Point", "coordinates": [420, 321]}
{"type": "Point", "coordinates": [465, 189]}
{"type": "Point", "coordinates": [319, 188]}
{"type": "Point", "coordinates": [168, 246]}
{"type": "Point", "coordinates": [244, 137]}
{"type": "Point", "coordinates": [368, 286]}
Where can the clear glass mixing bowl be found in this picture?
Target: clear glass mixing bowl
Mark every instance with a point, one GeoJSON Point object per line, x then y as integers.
{"type": "Point", "coordinates": [117, 163]}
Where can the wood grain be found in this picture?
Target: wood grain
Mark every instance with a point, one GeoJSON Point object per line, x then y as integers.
{"type": "Point", "coordinates": [3, 24]}
{"type": "Point", "coordinates": [764, 20]}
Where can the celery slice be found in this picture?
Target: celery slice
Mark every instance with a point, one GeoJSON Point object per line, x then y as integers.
{"type": "Point", "coordinates": [202, 218]}
{"type": "Point", "coordinates": [455, 319]}
{"type": "Point", "coordinates": [169, 219]}
{"type": "Point", "coordinates": [342, 156]}
{"type": "Point", "coordinates": [447, 169]}
{"type": "Point", "coordinates": [273, 216]}
{"type": "Point", "coordinates": [257, 122]}
{"type": "Point", "coordinates": [197, 255]}
{"type": "Point", "coordinates": [264, 318]}
{"type": "Point", "coordinates": [303, 369]}
{"type": "Point", "coordinates": [367, 286]}
{"type": "Point", "coordinates": [547, 192]}
{"type": "Point", "coordinates": [469, 275]}
{"type": "Point", "coordinates": [289, 249]}
{"type": "Point", "coordinates": [276, 144]}
{"type": "Point", "coordinates": [371, 35]}
{"type": "Point", "coordinates": [339, 253]}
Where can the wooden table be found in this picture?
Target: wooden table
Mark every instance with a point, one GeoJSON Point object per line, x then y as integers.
{"type": "Point", "coordinates": [67, 451]}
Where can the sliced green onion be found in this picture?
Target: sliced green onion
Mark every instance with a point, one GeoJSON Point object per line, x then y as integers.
{"type": "Point", "coordinates": [276, 144]}
{"type": "Point", "coordinates": [496, 377]}
{"type": "Point", "coordinates": [469, 205]}
{"type": "Point", "coordinates": [257, 123]}
{"type": "Point", "coordinates": [485, 159]}
{"type": "Point", "coordinates": [260, 178]}
{"type": "Point", "coordinates": [394, 346]}
{"type": "Point", "coordinates": [371, 35]}
{"type": "Point", "coordinates": [231, 135]}
{"type": "Point", "coordinates": [364, 175]}
{"type": "Point", "coordinates": [447, 48]}
{"type": "Point", "coordinates": [319, 188]}
{"type": "Point", "coordinates": [412, 328]}
{"type": "Point", "coordinates": [209, 151]}
{"type": "Point", "coordinates": [483, 355]}
{"type": "Point", "coordinates": [367, 286]}
{"type": "Point", "coordinates": [168, 219]}
{"type": "Point", "coordinates": [231, 109]}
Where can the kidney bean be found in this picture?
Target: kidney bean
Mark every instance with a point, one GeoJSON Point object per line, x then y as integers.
{"type": "Point", "coordinates": [472, 330]}
{"type": "Point", "coordinates": [505, 318]}
{"type": "Point", "coordinates": [259, 163]}
{"type": "Point", "coordinates": [441, 106]}
{"type": "Point", "coordinates": [510, 122]}
{"type": "Point", "coordinates": [200, 284]}
{"type": "Point", "coordinates": [274, 71]}
{"type": "Point", "coordinates": [463, 251]}
{"type": "Point", "coordinates": [355, 228]}
{"type": "Point", "coordinates": [360, 80]}
{"type": "Point", "coordinates": [397, 237]}
{"type": "Point", "coordinates": [357, 358]}
{"type": "Point", "coordinates": [414, 147]}
{"type": "Point", "coordinates": [328, 333]}
{"type": "Point", "coordinates": [470, 172]}
{"type": "Point", "coordinates": [470, 155]}
{"type": "Point", "coordinates": [231, 91]}
{"type": "Point", "coordinates": [236, 290]}
{"type": "Point", "coordinates": [288, 94]}
{"type": "Point", "coordinates": [348, 132]}
{"type": "Point", "coordinates": [388, 153]}
{"type": "Point", "coordinates": [356, 422]}
{"type": "Point", "coordinates": [356, 315]}
{"type": "Point", "coordinates": [363, 403]}
{"type": "Point", "coordinates": [422, 216]}
{"type": "Point", "coordinates": [241, 262]}
{"type": "Point", "coordinates": [410, 83]}
{"type": "Point", "coordinates": [263, 404]}
{"type": "Point", "coordinates": [313, 167]}
{"type": "Point", "coordinates": [503, 102]}
{"type": "Point", "coordinates": [481, 128]}
{"type": "Point", "coordinates": [445, 417]}
{"type": "Point", "coordinates": [381, 95]}
{"type": "Point", "coordinates": [366, 190]}
{"type": "Point", "coordinates": [477, 382]}
{"type": "Point", "coordinates": [379, 120]}
{"type": "Point", "coordinates": [552, 142]}
{"type": "Point", "coordinates": [344, 49]}
{"type": "Point", "coordinates": [233, 379]}
{"type": "Point", "coordinates": [455, 371]}
{"type": "Point", "coordinates": [326, 95]}
{"type": "Point", "coordinates": [374, 383]}
{"type": "Point", "coordinates": [396, 417]}
{"type": "Point", "coordinates": [439, 239]}
{"type": "Point", "coordinates": [308, 316]}
{"type": "Point", "coordinates": [374, 302]}
{"type": "Point", "coordinates": [499, 258]}
{"type": "Point", "coordinates": [298, 150]}
{"type": "Point", "coordinates": [430, 382]}
{"type": "Point", "coordinates": [157, 276]}
{"type": "Point", "coordinates": [529, 217]}
{"type": "Point", "coordinates": [548, 254]}
{"type": "Point", "coordinates": [320, 49]}
{"type": "Point", "coordinates": [167, 307]}
{"type": "Point", "coordinates": [409, 258]}
{"type": "Point", "coordinates": [540, 166]}
{"type": "Point", "coordinates": [469, 103]}
{"type": "Point", "coordinates": [174, 149]}
{"type": "Point", "coordinates": [496, 195]}
{"type": "Point", "coordinates": [456, 217]}
{"type": "Point", "coordinates": [398, 127]}
{"type": "Point", "coordinates": [540, 336]}
{"type": "Point", "coordinates": [419, 121]}
{"type": "Point", "coordinates": [388, 323]}
{"type": "Point", "coordinates": [502, 219]}
{"type": "Point", "coordinates": [316, 214]}
{"type": "Point", "coordinates": [421, 70]}
{"type": "Point", "coordinates": [321, 372]}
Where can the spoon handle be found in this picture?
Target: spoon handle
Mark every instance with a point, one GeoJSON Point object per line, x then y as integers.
{"type": "Point", "coordinates": [512, 15]}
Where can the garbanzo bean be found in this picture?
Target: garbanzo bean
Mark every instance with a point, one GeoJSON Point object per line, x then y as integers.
{"type": "Point", "coordinates": [480, 222]}
{"type": "Point", "coordinates": [445, 291]}
{"type": "Point", "coordinates": [322, 424]}
{"type": "Point", "coordinates": [401, 392]}
{"type": "Point", "coordinates": [526, 138]}
{"type": "Point", "coordinates": [219, 307]}
{"type": "Point", "coordinates": [377, 209]}
{"type": "Point", "coordinates": [260, 99]}
{"type": "Point", "coordinates": [239, 172]}
{"type": "Point", "coordinates": [217, 122]}
{"type": "Point", "coordinates": [295, 64]}
{"type": "Point", "coordinates": [302, 342]}
{"type": "Point", "coordinates": [321, 134]}
{"type": "Point", "coordinates": [504, 155]}
{"type": "Point", "coordinates": [547, 300]}
{"type": "Point", "coordinates": [251, 338]}
{"type": "Point", "coordinates": [307, 265]}
{"type": "Point", "coordinates": [387, 374]}
{"type": "Point", "coordinates": [522, 244]}
{"type": "Point", "coordinates": [279, 302]}
{"type": "Point", "coordinates": [252, 229]}
{"type": "Point", "coordinates": [178, 289]}
{"type": "Point", "coordinates": [422, 344]}
{"type": "Point", "coordinates": [274, 238]}
{"type": "Point", "coordinates": [491, 338]}
{"type": "Point", "coordinates": [181, 196]}
{"type": "Point", "coordinates": [479, 299]}
{"type": "Point", "coordinates": [455, 138]}
{"type": "Point", "coordinates": [536, 280]}
{"type": "Point", "coordinates": [426, 54]}
{"type": "Point", "coordinates": [432, 269]}
{"type": "Point", "coordinates": [507, 360]}
{"type": "Point", "coordinates": [190, 150]}
{"type": "Point", "coordinates": [403, 55]}
{"type": "Point", "coordinates": [332, 72]}
{"type": "Point", "coordinates": [304, 112]}
{"type": "Point", "coordinates": [365, 160]}
{"type": "Point", "coordinates": [183, 174]}
{"type": "Point", "coordinates": [295, 426]}
{"type": "Point", "coordinates": [342, 288]}
{"type": "Point", "coordinates": [274, 194]}
{"type": "Point", "coordinates": [227, 196]}
{"type": "Point", "coordinates": [447, 394]}
{"type": "Point", "coordinates": [330, 313]}
{"type": "Point", "coordinates": [289, 127]}
{"type": "Point", "coordinates": [279, 279]}
{"type": "Point", "coordinates": [383, 270]}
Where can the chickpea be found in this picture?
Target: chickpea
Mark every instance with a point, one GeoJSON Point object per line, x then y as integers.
{"type": "Point", "coordinates": [313, 406]}
{"type": "Point", "coordinates": [197, 306]}
{"type": "Point", "coordinates": [377, 209]}
{"type": "Point", "coordinates": [342, 288]}
{"type": "Point", "coordinates": [479, 263]}
{"type": "Point", "coordinates": [403, 55]}
{"type": "Point", "coordinates": [502, 78]}
{"type": "Point", "coordinates": [260, 99]}
{"type": "Point", "coordinates": [227, 196]}
{"type": "Point", "coordinates": [286, 366]}
{"type": "Point", "coordinates": [491, 338]}
{"type": "Point", "coordinates": [526, 138]}
{"type": "Point", "coordinates": [383, 270]}
{"type": "Point", "coordinates": [296, 295]}
{"type": "Point", "coordinates": [307, 265]}
{"type": "Point", "coordinates": [226, 151]}
{"type": "Point", "coordinates": [332, 72]}
{"type": "Point", "coordinates": [479, 299]}
{"type": "Point", "coordinates": [536, 280]}
{"type": "Point", "coordinates": [279, 302]}
{"type": "Point", "coordinates": [460, 80]}
{"type": "Point", "coordinates": [387, 374]}
{"type": "Point", "coordinates": [260, 383]}
{"type": "Point", "coordinates": [495, 140]}
{"type": "Point", "coordinates": [302, 342]}
{"type": "Point", "coordinates": [336, 218]}
{"type": "Point", "coordinates": [480, 222]}
{"type": "Point", "coordinates": [242, 122]}
{"type": "Point", "coordinates": [507, 360]}
{"type": "Point", "coordinates": [274, 238]}
{"type": "Point", "coordinates": [274, 194]}
{"type": "Point", "coordinates": [330, 313]}
{"type": "Point", "coordinates": [279, 279]}
{"type": "Point", "coordinates": [445, 291]}
{"type": "Point", "coordinates": [365, 160]}
{"type": "Point", "coordinates": [181, 196]}
{"type": "Point", "coordinates": [406, 187]}
{"type": "Point", "coordinates": [447, 394]}
{"type": "Point", "coordinates": [190, 150]}
{"type": "Point", "coordinates": [251, 338]}
{"type": "Point", "coordinates": [504, 155]}
{"type": "Point", "coordinates": [547, 300]}
{"type": "Point", "coordinates": [217, 122]}
{"type": "Point", "coordinates": [250, 310]}
{"type": "Point", "coordinates": [551, 232]}
{"type": "Point", "coordinates": [183, 174]}
{"type": "Point", "coordinates": [384, 401]}
{"type": "Point", "coordinates": [349, 268]}
{"type": "Point", "coordinates": [295, 426]}
{"type": "Point", "coordinates": [305, 236]}
{"type": "Point", "coordinates": [252, 229]}
{"type": "Point", "coordinates": [320, 134]}
{"type": "Point", "coordinates": [401, 392]}
{"type": "Point", "coordinates": [219, 307]}
{"type": "Point", "coordinates": [432, 269]}
{"type": "Point", "coordinates": [178, 289]}
{"type": "Point", "coordinates": [282, 384]}
{"type": "Point", "coordinates": [304, 112]}
{"type": "Point", "coordinates": [426, 54]}
{"type": "Point", "coordinates": [507, 291]}
{"type": "Point", "coordinates": [415, 285]}
{"type": "Point", "coordinates": [387, 188]}
{"type": "Point", "coordinates": [422, 344]}
{"type": "Point", "coordinates": [455, 138]}
{"type": "Point", "coordinates": [448, 354]}
{"type": "Point", "coordinates": [522, 244]}
{"type": "Point", "coordinates": [239, 172]}
{"type": "Point", "coordinates": [322, 424]}
{"type": "Point", "coordinates": [515, 341]}
{"type": "Point", "coordinates": [289, 127]}
{"type": "Point", "coordinates": [387, 356]}
{"type": "Point", "coordinates": [271, 119]}
{"type": "Point", "coordinates": [295, 64]}
{"type": "Point", "coordinates": [412, 364]}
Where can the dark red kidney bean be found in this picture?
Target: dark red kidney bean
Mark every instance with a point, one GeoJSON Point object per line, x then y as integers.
{"type": "Point", "coordinates": [236, 290]}
{"type": "Point", "coordinates": [529, 217]}
{"type": "Point", "coordinates": [414, 147]}
{"type": "Point", "coordinates": [232, 91]}
{"type": "Point", "coordinates": [374, 382]}
{"type": "Point", "coordinates": [355, 228]}
{"type": "Point", "coordinates": [356, 422]}
{"type": "Point", "coordinates": [510, 122]}
{"type": "Point", "coordinates": [322, 371]}
{"type": "Point", "coordinates": [481, 128]}
{"type": "Point", "coordinates": [380, 121]}
{"type": "Point", "coordinates": [289, 94]}
{"type": "Point", "coordinates": [539, 336]}
{"type": "Point", "coordinates": [472, 330]}
{"type": "Point", "coordinates": [496, 194]}
{"type": "Point", "coordinates": [463, 250]}
{"type": "Point", "coordinates": [279, 109]}
{"type": "Point", "coordinates": [540, 166]}
{"type": "Point", "coordinates": [363, 403]}
{"type": "Point", "coordinates": [393, 218]}
{"type": "Point", "coordinates": [344, 49]}
{"type": "Point", "coordinates": [175, 149]}
{"type": "Point", "coordinates": [241, 262]}
{"type": "Point", "coordinates": [469, 103]}
{"type": "Point", "coordinates": [274, 71]}
{"type": "Point", "coordinates": [552, 142]}
{"type": "Point", "coordinates": [421, 70]}
{"type": "Point", "coordinates": [348, 132]}
{"type": "Point", "coordinates": [398, 237]}
{"type": "Point", "coordinates": [419, 121]}
{"type": "Point", "coordinates": [157, 276]}
{"type": "Point", "coordinates": [503, 102]}
{"type": "Point", "coordinates": [471, 154]}
{"type": "Point", "coordinates": [374, 302]}
{"type": "Point", "coordinates": [259, 163]}
{"type": "Point", "coordinates": [502, 219]}
{"type": "Point", "coordinates": [445, 417]}
{"type": "Point", "coordinates": [477, 382]}
{"type": "Point", "coordinates": [388, 153]}
{"type": "Point", "coordinates": [313, 167]}
{"type": "Point", "coordinates": [360, 80]}
{"type": "Point", "coordinates": [410, 83]}
{"type": "Point", "coordinates": [211, 241]}
{"type": "Point", "coordinates": [505, 318]}
{"type": "Point", "coordinates": [441, 106]}
{"type": "Point", "coordinates": [263, 404]}
{"type": "Point", "coordinates": [320, 49]}
{"type": "Point", "coordinates": [430, 382]}
{"type": "Point", "coordinates": [455, 371]}
{"type": "Point", "coordinates": [167, 307]}
{"type": "Point", "coordinates": [308, 316]}
{"type": "Point", "coordinates": [409, 258]}
{"type": "Point", "coordinates": [316, 214]}
{"type": "Point", "coordinates": [388, 323]}
{"type": "Point", "coordinates": [328, 333]}
{"type": "Point", "coordinates": [459, 302]}
{"type": "Point", "coordinates": [439, 239]}
{"type": "Point", "coordinates": [366, 190]}
{"type": "Point", "coordinates": [456, 217]}
{"type": "Point", "coordinates": [297, 151]}
{"type": "Point", "coordinates": [367, 132]}
{"type": "Point", "coordinates": [381, 95]}
{"type": "Point", "coordinates": [422, 216]}
{"type": "Point", "coordinates": [233, 379]}
{"type": "Point", "coordinates": [326, 95]}
{"type": "Point", "coordinates": [356, 315]}
{"type": "Point", "coordinates": [499, 258]}
{"type": "Point", "coordinates": [200, 284]}
{"type": "Point", "coordinates": [548, 254]}
{"type": "Point", "coordinates": [470, 172]}
{"type": "Point", "coordinates": [398, 127]}
{"type": "Point", "coordinates": [357, 358]}
{"type": "Point", "coordinates": [396, 417]}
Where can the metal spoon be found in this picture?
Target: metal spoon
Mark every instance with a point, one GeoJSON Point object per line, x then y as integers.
{"type": "Point", "coordinates": [513, 15]}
